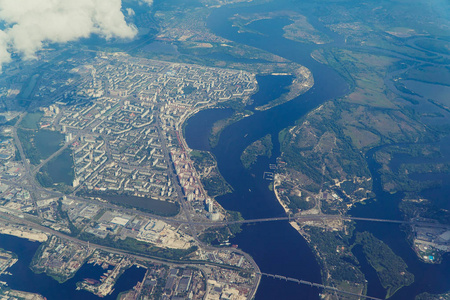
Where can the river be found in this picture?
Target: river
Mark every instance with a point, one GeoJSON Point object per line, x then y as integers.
{"type": "Point", "coordinates": [24, 279]}
{"type": "Point", "coordinates": [276, 247]}
{"type": "Point", "coordinates": [431, 278]}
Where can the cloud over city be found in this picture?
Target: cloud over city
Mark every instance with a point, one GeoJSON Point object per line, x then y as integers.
{"type": "Point", "coordinates": [30, 24]}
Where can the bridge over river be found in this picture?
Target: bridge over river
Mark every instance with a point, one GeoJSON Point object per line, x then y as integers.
{"type": "Point", "coordinates": [318, 285]}
{"type": "Point", "coordinates": [321, 217]}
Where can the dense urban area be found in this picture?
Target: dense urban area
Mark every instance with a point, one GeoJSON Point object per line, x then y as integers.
{"type": "Point", "coordinates": [95, 167]}
{"type": "Point", "coordinates": [66, 166]}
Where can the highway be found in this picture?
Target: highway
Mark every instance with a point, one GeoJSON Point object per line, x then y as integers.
{"type": "Point", "coordinates": [298, 218]}
{"type": "Point", "coordinates": [184, 205]}
{"type": "Point", "coordinates": [321, 217]}
{"type": "Point", "coordinates": [22, 221]}
{"type": "Point", "coordinates": [28, 174]}
{"type": "Point", "coordinates": [187, 209]}
{"type": "Point", "coordinates": [17, 220]}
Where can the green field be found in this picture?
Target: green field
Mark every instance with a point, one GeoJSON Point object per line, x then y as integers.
{"type": "Point", "coordinates": [31, 121]}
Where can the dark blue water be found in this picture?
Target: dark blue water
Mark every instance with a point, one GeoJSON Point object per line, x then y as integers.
{"type": "Point", "coordinates": [25, 280]}
{"type": "Point", "coordinates": [276, 247]}
{"type": "Point", "coordinates": [270, 87]}
{"type": "Point", "coordinates": [427, 277]}
{"type": "Point", "coordinates": [374, 287]}
{"type": "Point", "coordinates": [203, 123]}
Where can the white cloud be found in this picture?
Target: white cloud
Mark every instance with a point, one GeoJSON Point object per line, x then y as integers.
{"type": "Point", "coordinates": [130, 12]}
{"type": "Point", "coordinates": [149, 2]}
{"type": "Point", "coordinates": [32, 23]}
{"type": "Point", "coordinates": [5, 57]}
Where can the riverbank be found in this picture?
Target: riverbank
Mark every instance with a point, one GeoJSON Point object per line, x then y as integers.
{"type": "Point", "coordinates": [328, 250]}
{"type": "Point", "coordinates": [22, 232]}
{"type": "Point", "coordinates": [22, 295]}
{"type": "Point", "coordinates": [302, 82]}
{"type": "Point", "coordinates": [227, 154]}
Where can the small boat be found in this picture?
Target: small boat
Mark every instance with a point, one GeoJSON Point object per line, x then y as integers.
{"type": "Point", "coordinates": [91, 281]}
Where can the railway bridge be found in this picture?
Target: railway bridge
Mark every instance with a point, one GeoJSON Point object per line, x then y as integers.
{"type": "Point", "coordinates": [317, 285]}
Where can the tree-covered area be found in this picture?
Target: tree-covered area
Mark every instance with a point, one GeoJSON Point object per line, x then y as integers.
{"type": "Point", "coordinates": [239, 112]}
{"type": "Point", "coordinates": [337, 259]}
{"type": "Point", "coordinates": [428, 296]}
{"type": "Point", "coordinates": [215, 185]}
{"type": "Point", "coordinates": [215, 235]}
{"type": "Point", "coordinates": [26, 139]}
{"type": "Point", "coordinates": [261, 147]}
{"type": "Point", "coordinates": [425, 209]}
{"type": "Point", "coordinates": [202, 159]}
{"type": "Point", "coordinates": [390, 268]}
{"type": "Point", "coordinates": [188, 89]}
{"type": "Point", "coordinates": [300, 203]}
{"type": "Point", "coordinates": [31, 120]}
{"type": "Point", "coordinates": [212, 180]}
{"type": "Point", "coordinates": [219, 235]}
{"type": "Point", "coordinates": [62, 215]}
{"type": "Point", "coordinates": [330, 143]}
{"type": "Point", "coordinates": [134, 246]}
{"type": "Point", "coordinates": [395, 175]}
{"type": "Point", "coordinates": [322, 142]}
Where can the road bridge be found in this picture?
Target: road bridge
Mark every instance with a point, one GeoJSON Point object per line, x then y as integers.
{"type": "Point", "coordinates": [317, 285]}
{"type": "Point", "coordinates": [306, 218]}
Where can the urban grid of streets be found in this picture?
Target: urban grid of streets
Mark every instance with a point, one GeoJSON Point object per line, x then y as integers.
{"type": "Point", "coordinates": [125, 138]}
{"type": "Point", "coordinates": [126, 141]}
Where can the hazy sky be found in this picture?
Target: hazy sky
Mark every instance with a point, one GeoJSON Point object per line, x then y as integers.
{"type": "Point", "coordinates": [29, 24]}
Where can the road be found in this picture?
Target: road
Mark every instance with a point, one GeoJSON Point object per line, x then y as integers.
{"type": "Point", "coordinates": [55, 154]}
{"type": "Point", "coordinates": [28, 174]}
{"type": "Point", "coordinates": [318, 285]}
{"type": "Point", "coordinates": [300, 218]}
{"type": "Point", "coordinates": [185, 206]}
{"type": "Point", "coordinates": [14, 219]}
{"type": "Point", "coordinates": [321, 217]}
{"type": "Point", "coordinates": [21, 221]}
{"type": "Point", "coordinates": [187, 211]}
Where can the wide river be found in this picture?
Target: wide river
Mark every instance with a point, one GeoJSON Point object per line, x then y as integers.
{"type": "Point", "coordinates": [276, 247]}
